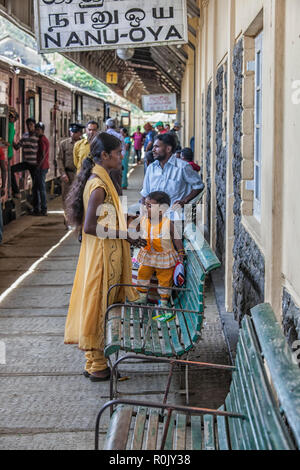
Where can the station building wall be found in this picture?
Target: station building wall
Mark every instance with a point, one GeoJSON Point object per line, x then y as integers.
{"type": "Point", "coordinates": [247, 105]}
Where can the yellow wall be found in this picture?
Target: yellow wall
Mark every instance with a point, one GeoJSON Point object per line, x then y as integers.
{"type": "Point", "coordinates": [278, 233]}
{"type": "Point", "coordinates": [291, 152]}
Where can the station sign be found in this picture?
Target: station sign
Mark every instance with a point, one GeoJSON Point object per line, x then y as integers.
{"type": "Point", "coordinates": [81, 25]}
{"type": "Point", "coordinates": [112, 78]}
{"type": "Point", "coordinates": [163, 102]}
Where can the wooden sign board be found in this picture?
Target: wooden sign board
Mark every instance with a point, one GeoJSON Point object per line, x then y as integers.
{"type": "Point", "coordinates": [163, 102]}
{"type": "Point", "coordinates": [79, 25]}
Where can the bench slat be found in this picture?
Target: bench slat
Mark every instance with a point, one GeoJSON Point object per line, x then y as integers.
{"type": "Point", "coordinates": [126, 329]}
{"type": "Point", "coordinates": [118, 431]}
{"type": "Point", "coordinates": [184, 332]}
{"type": "Point", "coordinates": [233, 431]}
{"type": "Point", "coordinates": [195, 269]}
{"type": "Point", "coordinates": [207, 257]}
{"type": "Point", "coordinates": [238, 400]}
{"type": "Point", "coordinates": [170, 436]}
{"type": "Point", "coordinates": [152, 431]}
{"type": "Point", "coordinates": [247, 405]}
{"type": "Point", "coordinates": [209, 433]}
{"type": "Point", "coordinates": [137, 340]}
{"type": "Point", "coordinates": [252, 401]}
{"type": "Point", "coordinates": [222, 431]}
{"type": "Point", "coordinates": [167, 347]}
{"type": "Point", "coordinates": [139, 428]}
{"type": "Point", "coordinates": [179, 350]}
{"type": "Point", "coordinates": [285, 373]}
{"type": "Point", "coordinates": [193, 325]}
{"type": "Point", "coordinates": [196, 432]}
{"type": "Point", "coordinates": [155, 339]}
{"type": "Point", "coordinates": [275, 433]}
{"type": "Point", "coordinates": [113, 332]}
{"type": "Point", "coordinates": [147, 333]}
{"type": "Point", "coordinates": [180, 432]}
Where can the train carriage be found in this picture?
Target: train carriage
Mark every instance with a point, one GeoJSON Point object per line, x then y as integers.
{"type": "Point", "coordinates": [55, 103]}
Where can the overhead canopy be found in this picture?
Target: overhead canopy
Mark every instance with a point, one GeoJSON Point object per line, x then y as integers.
{"type": "Point", "coordinates": [151, 70]}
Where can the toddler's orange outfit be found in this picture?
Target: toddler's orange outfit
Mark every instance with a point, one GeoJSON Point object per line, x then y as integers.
{"type": "Point", "coordinates": [158, 256]}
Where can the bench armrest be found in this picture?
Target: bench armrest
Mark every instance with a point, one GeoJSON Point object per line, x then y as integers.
{"type": "Point", "coordinates": [160, 360]}
{"type": "Point", "coordinates": [164, 360]}
{"type": "Point", "coordinates": [164, 407]}
{"type": "Point", "coordinates": [148, 287]}
{"type": "Point", "coordinates": [150, 307]}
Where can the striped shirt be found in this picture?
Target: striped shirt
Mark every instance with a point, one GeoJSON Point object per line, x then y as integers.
{"type": "Point", "coordinates": [29, 144]}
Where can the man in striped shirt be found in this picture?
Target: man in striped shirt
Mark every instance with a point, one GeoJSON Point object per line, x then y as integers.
{"type": "Point", "coordinates": [29, 144]}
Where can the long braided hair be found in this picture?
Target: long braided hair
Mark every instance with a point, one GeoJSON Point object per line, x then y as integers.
{"type": "Point", "coordinates": [102, 142]}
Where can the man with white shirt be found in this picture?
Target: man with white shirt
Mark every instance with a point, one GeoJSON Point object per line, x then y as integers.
{"type": "Point", "coordinates": [170, 174]}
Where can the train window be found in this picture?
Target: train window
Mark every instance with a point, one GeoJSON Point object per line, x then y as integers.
{"type": "Point", "coordinates": [10, 98]}
{"type": "Point", "coordinates": [124, 121]}
{"type": "Point", "coordinates": [66, 126]}
{"type": "Point", "coordinates": [3, 127]}
{"type": "Point", "coordinates": [51, 123]}
{"type": "Point", "coordinates": [22, 103]}
{"type": "Point", "coordinates": [79, 108]}
{"type": "Point", "coordinates": [40, 97]}
{"type": "Point", "coordinates": [32, 107]}
{"type": "Point", "coordinates": [61, 125]}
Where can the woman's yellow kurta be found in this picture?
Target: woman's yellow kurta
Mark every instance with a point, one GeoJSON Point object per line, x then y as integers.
{"type": "Point", "coordinates": [102, 263]}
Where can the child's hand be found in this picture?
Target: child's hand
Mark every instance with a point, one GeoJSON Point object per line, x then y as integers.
{"type": "Point", "coordinates": [138, 243]}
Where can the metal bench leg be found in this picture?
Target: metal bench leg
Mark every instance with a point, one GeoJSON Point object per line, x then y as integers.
{"type": "Point", "coordinates": [187, 392]}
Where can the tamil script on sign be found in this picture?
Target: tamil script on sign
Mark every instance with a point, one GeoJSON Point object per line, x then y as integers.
{"type": "Point", "coordinates": [76, 25]}
{"type": "Point", "coordinates": [163, 102]}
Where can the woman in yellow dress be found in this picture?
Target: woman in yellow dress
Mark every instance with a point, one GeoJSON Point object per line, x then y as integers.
{"type": "Point", "coordinates": [104, 257]}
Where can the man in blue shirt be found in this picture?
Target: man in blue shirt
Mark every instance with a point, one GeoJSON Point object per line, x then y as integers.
{"type": "Point", "coordinates": [170, 174]}
{"type": "Point", "coordinates": [149, 137]}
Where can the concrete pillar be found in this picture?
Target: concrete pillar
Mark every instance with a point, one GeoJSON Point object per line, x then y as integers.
{"type": "Point", "coordinates": [274, 42]}
{"type": "Point", "coordinates": [213, 134]}
{"type": "Point", "coordinates": [229, 184]}
{"type": "Point", "coordinates": [204, 53]}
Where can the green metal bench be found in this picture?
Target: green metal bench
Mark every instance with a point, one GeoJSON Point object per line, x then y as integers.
{"type": "Point", "coordinates": [258, 414]}
{"type": "Point", "coordinates": [130, 328]}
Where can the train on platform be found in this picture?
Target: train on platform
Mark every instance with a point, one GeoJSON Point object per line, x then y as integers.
{"type": "Point", "coordinates": [56, 104]}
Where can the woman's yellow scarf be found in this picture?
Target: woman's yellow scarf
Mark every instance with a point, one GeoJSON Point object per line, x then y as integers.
{"type": "Point", "coordinates": [126, 277]}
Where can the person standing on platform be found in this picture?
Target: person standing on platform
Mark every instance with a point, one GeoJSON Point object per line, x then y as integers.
{"type": "Point", "coordinates": [188, 156]}
{"type": "Point", "coordinates": [65, 163]}
{"type": "Point", "coordinates": [125, 162]}
{"type": "Point", "coordinates": [170, 174]}
{"type": "Point", "coordinates": [13, 116]}
{"type": "Point", "coordinates": [29, 144]}
{"type": "Point", "coordinates": [3, 187]}
{"type": "Point", "coordinates": [42, 168]}
{"type": "Point", "coordinates": [138, 138]}
{"type": "Point", "coordinates": [174, 132]}
{"type": "Point", "coordinates": [104, 258]}
{"type": "Point", "coordinates": [149, 136]}
{"type": "Point", "coordinates": [116, 175]}
{"type": "Point", "coordinates": [82, 147]}
{"type": "Point", "coordinates": [159, 126]}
